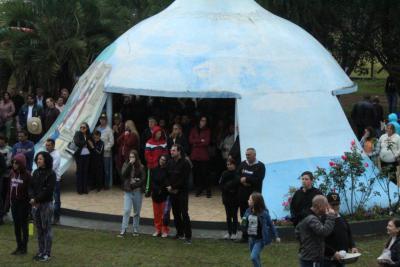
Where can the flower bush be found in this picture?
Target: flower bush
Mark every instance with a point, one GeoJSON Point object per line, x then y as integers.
{"type": "Point", "coordinates": [347, 176]}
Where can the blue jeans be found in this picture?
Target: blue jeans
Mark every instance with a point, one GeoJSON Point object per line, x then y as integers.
{"type": "Point", "coordinates": [256, 245]}
{"type": "Point", "coordinates": [134, 199]}
{"type": "Point", "coordinates": [107, 172]}
{"type": "Point", "coordinates": [304, 263]}
{"type": "Point", "coordinates": [392, 102]}
{"type": "Point", "coordinates": [57, 200]}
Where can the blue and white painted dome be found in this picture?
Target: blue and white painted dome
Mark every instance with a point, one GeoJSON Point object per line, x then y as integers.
{"type": "Point", "coordinates": [285, 82]}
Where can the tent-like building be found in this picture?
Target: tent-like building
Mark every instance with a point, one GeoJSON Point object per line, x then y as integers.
{"type": "Point", "coordinates": [285, 83]}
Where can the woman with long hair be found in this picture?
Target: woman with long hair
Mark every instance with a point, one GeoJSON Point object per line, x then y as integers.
{"type": "Point", "coordinates": [127, 141]}
{"type": "Point", "coordinates": [19, 198]}
{"type": "Point", "coordinates": [133, 181]}
{"type": "Point", "coordinates": [82, 158]}
{"type": "Point", "coordinates": [41, 198]}
{"type": "Point", "coordinates": [260, 229]}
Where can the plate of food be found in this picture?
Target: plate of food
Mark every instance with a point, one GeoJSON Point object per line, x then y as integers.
{"type": "Point", "coordinates": [350, 258]}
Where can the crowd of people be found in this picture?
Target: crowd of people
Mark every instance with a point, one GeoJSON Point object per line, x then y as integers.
{"type": "Point", "coordinates": [160, 158]}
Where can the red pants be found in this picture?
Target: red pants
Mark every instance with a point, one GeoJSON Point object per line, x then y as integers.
{"type": "Point", "coordinates": [158, 209]}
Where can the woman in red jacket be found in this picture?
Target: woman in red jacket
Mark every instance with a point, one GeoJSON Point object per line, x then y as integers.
{"type": "Point", "coordinates": [126, 142]}
{"type": "Point", "coordinates": [199, 139]}
{"type": "Point", "coordinates": [156, 146]}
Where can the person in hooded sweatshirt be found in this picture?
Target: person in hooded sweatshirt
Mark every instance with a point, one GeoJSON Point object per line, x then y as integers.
{"type": "Point", "coordinates": [41, 192]}
{"type": "Point", "coordinates": [19, 198]}
{"type": "Point", "coordinates": [155, 147]}
{"type": "Point", "coordinates": [393, 119]}
{"type": "Point", "coordinates": [159, 195]}
{"type": "Point", "coordinates": [302, 198]}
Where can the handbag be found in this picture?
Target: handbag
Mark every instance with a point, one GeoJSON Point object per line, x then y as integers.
{"type": "Point", "coordinates": [71, 148]}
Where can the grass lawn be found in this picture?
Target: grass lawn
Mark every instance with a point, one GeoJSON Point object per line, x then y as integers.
{"type": "Point", "coordinates": [77, 247]}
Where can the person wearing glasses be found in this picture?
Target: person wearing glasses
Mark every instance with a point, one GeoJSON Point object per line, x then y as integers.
{"type": "Point", "coordinates": [82, 158]}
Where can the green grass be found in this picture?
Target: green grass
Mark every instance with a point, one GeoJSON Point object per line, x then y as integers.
{"type": "Point", "coordinates": [371, 86]}
{"type": "Point", "coordinates": [77, 247]}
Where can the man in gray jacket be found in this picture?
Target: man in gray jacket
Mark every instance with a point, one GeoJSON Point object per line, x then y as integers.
{"type": "Point", "coordinates": [311, 232]}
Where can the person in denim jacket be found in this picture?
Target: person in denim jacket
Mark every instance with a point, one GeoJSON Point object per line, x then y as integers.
{"type": "Point", "coordinates": [260, 229]}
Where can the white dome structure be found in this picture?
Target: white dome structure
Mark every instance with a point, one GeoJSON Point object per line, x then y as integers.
{"type": "Point", "coordinates": [284, 81]}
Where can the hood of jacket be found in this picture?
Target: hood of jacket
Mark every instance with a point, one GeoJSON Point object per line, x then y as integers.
{"type": "Point", "coordinates": [392, 117]}
{"type": "Point", "coordinates": [157, 129]}
{"type": "Point", "coordinates": [21, 160]}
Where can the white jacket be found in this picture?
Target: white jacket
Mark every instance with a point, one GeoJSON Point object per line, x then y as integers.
{"type": "Point", "coordinates": [389, 147]}
{"type": "Point", "coordinates": [107, 137]}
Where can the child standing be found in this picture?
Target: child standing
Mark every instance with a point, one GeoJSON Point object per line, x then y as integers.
{"type": "Point", "coordinates": [229, 188]}
{"type": "Point", "coordinates": [260, 228]}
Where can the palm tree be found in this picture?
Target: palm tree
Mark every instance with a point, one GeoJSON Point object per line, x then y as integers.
{"type": "Point", "coordinates": [48, 43]}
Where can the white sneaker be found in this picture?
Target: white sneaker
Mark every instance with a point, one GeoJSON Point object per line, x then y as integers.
{"type": "Point", "coordinates": [135, 233]}
{"type": "Point", "coordinates": [164, 235]}
{"type": "Point", "coordinates": [155, 234]}
{"type": "Point", "coordinates": [227, 236]}
{"type": "Point", "coordinates": [122, 234]}
{"type": "Point", "coordinates": [234, 237]}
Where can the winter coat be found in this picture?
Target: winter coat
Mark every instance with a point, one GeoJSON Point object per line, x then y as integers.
{"type": "Point", "coordinates": [301, 204]}
{"type": "Point", "coordinates": [50, 116]}
{"type": "Point", "coordinates": [81, 142]}
{"type": "Point", "coordinates": [155, 148]}
{"type": "Point", "coordinates": [388, 148]}
{"type": "Point", "coordinates": [42, 185]}
{"type": "Point", "coordinates": [125, 143]}
{"type": "Point", "coordinates": [158, 185]}
{"type": "Point", "coordinates": [199, 139]}
{"type": "Point", "coordinates": [132, 178]}
{"type": "Point", "coordinates": [37, 111]}
{"type": "Point", "coordinates": [311, 233]}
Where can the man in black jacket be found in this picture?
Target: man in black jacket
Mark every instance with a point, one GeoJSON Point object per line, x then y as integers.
{"type": "Point", "coordinates": [340, 239]}
{"type": "Point", "coordinates": [302, 198]}
{"type": "Point", "coordinates": [250, 175]}
{"type": "Point", "coordinates": [178, 177]}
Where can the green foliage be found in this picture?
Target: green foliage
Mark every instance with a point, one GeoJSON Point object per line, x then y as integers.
{"type": "Point", "coordinates": [348, 177]}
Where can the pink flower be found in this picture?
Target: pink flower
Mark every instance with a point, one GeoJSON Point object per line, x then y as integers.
{"type": "Point", "coordinates": [344, 157]}
{"type": "Point", "coordinates": [366, 165]}
{"type": "Point", "coordinates": [331, 163]}
{"type": "Point", "coordinates": [285, 204]}
{"type": "Point", "coordinates": [353, 143]}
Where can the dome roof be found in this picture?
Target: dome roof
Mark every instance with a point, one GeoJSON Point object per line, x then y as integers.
{"type": "Point", "coordinates": [219, 48]}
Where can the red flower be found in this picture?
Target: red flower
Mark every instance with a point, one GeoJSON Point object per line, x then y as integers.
{"type": "Point", "coordinates": [344, 157]}
{"type": "Point", "coordinates": [366, 165]}
{"type": "Point", "coordinates": [331, 163]}
{"type": "Point", "coordinates": [353, 143]}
